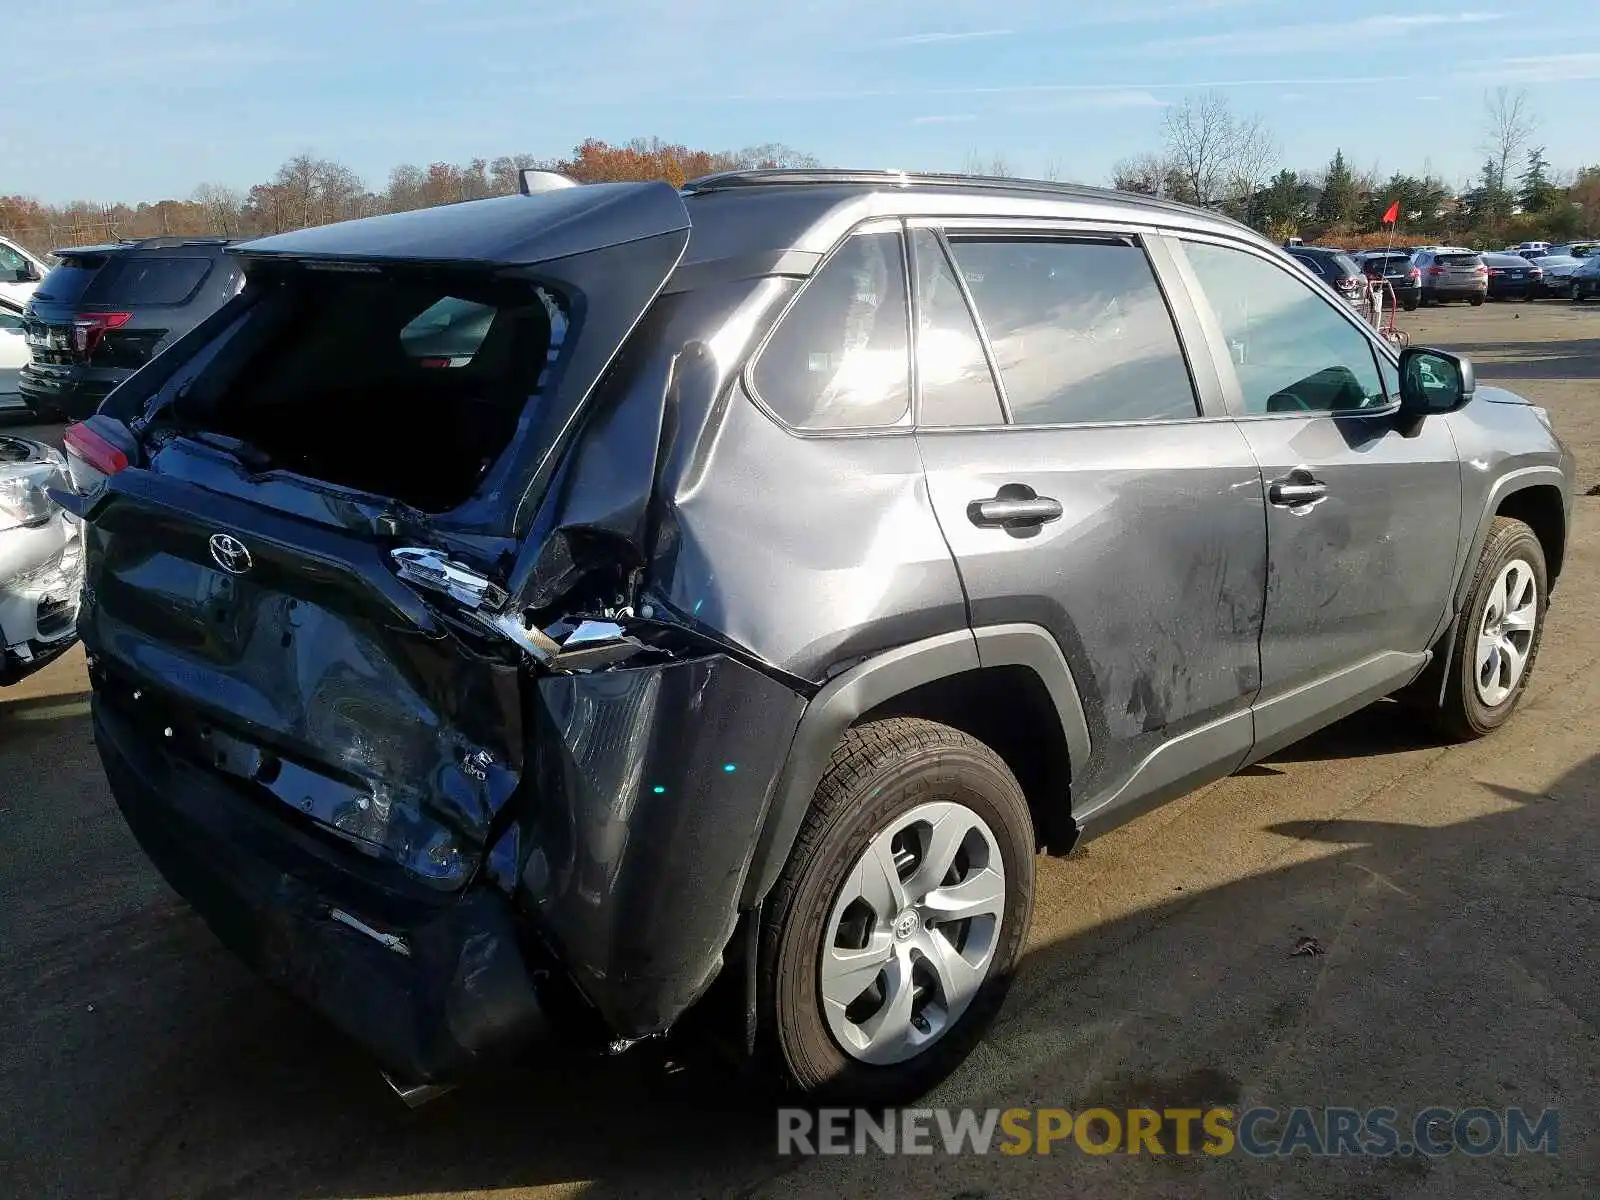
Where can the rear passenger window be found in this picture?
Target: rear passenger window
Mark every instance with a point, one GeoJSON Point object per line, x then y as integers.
{"type": "Point", "coordinates": [840, 357]}
{"type": "Point", "coordinates": [1080, 330]}
{"type": "Point", "coordinates": [952, 370]}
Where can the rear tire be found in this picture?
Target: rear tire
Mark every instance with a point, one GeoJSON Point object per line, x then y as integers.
{"type": "Point", "coordinates": [1497, 635]}
{"type": "Point", "coordinates": [1476, 301]}
{"type": "Point", "coordinates": [933, 805]}
{"type": "Point", "coordinates": [1411, 304]}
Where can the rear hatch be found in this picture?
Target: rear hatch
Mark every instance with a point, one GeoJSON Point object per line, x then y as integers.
{"type": "Point", "coordinates": [104, 312]}
{"type": "Point", "coordinates": [1458, 270]}
{"type": "Point", "coordinates": [402, 384]}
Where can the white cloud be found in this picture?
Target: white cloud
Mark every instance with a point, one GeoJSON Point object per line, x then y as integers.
{"type": "Point", "coordinates": [1287, 39]}
{"type": "Point", "coordinates": [949, 119]}
{"type": "Point", "coordinates": [1542, 68]}
{"type": "Point", "coordinates": [932, 39]}
{"type": "Point", "coordinates": [1117, 98]}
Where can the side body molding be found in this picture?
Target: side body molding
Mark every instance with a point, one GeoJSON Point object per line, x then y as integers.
{"type": "Point", "coordinates": [879, 679]}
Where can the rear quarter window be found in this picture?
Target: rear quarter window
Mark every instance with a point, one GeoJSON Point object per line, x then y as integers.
{"type": "Point", "coordinates": [840, 357]}
{"type": "Point", "coordinates": [66, 283]}
{"type": "Point", "coordinates": [137, 282]}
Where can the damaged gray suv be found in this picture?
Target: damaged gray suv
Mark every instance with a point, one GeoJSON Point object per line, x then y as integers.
{"type": "Point", "coordinates": [607, 606]}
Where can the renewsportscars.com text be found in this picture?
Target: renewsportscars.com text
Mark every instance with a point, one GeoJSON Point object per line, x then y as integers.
{"type": "Point", "coordinates": [1257, 1132]}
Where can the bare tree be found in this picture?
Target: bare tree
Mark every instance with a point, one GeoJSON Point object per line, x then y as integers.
{"type": "Point", "coordinates": [1217, 156]}
{"type": "Point", "coordinates": [1253, 160]}
{"type": "Point", "coordinates": [1509, 124]}
{"type": "Point", "coordinates": [995, 166]}
{"type": "Point", "coordinates": [1145, 174]}
{"type": "Point", "coordinates": [223, 207]}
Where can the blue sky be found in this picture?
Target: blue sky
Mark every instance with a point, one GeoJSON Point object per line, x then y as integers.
{"type": "Point", "coordinates": [143, 99]}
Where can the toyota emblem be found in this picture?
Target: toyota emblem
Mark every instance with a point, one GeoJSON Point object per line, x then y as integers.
{"type": "Point", "coordinates": [230, 553]}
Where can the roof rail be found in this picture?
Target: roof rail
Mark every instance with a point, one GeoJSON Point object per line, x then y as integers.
{"type": "Point", "coordinates": [726, 180]}
{"type": "Point", "coordinates": [164, 241]}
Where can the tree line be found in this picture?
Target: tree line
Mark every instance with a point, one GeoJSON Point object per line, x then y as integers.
{"type": "Point", "coordinates": [1212, 157]}
{"type": "Point", "coordinates": [310, 190]}
{"type": "Point", "coordinates": [1209, 155]}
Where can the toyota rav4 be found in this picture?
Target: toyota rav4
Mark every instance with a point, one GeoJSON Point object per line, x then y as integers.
{"type": "Point", "coordinates": [594, 606]}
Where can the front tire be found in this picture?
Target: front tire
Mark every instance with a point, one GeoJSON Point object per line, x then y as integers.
{"type": "Point", "coordinates": [1497, 638]}
{"type": "Point", "coordinates": [1411, 304]}
{"type": "Point", "coordinates": [893, 933]}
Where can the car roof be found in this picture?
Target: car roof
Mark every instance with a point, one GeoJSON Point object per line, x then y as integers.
{"type": "Point", "coordinates": [778, 221]}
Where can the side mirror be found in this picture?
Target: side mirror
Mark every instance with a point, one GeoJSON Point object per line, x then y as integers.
{"type": "Point", "coordinates": [1433, 381]}
{"type": "Point", "coordinates": [24, 273]}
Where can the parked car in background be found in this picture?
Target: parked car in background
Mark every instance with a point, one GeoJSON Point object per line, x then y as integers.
{"type": "Point", "coordinates": [104, 311]}
{"type": "Point", "coordinates": [1395, 268]}
{"type": "Point", "coordinates": [1526, 248]}
{"type": "Point", "coordinates": [41, 559]}
{"type": "Point", "coordinates": [1574, 249]}
{"type": "Point", "coordinates": [1558, 270]}
{"type": "Point", "coordinates": [1532, 255]}
{"type": "Point", "coordinates": [1512, 277]}
{"type": "Point", "coordinates": [479, 677]}
{"type": "Point", "coordinates": [1585, 281]}
{"type": "Point", "coordinates": [20, 271]}
{"type": "Point", "coordinates": [1452, 273]}
{"type": "Point", "coordinates": [13, 356]}
{"type": "Point", "coordinates": [1335, 268]}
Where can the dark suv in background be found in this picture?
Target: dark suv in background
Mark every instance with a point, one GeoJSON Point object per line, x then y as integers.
{"type": "Point", "coordinates": [580, 608]}
{"type": "Point", "coordinates": [1335, 268]}
{"type": "Point", "coordinates": [1395, 268]}
{"type": "Point", "coordinates": [104, 311]}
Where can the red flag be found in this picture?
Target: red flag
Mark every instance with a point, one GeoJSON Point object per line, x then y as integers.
{"type": "Point", "coordinates": [1392, 213]}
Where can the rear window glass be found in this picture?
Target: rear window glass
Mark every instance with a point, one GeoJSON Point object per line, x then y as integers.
{"type": "Point", "coordinates": [66, 283]}
{"type": "Point", "coordinates": [448, 333]}
{"type": "Point", "coordinates": [1459, 260]}
{"type": "Point", "coordinates": [1345, 265]}
{"type": "Point", "coordinates": [140, 281]}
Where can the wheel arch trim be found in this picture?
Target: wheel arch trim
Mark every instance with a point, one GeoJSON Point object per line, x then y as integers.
{"type": "Point", "coordinates": [882, 678]}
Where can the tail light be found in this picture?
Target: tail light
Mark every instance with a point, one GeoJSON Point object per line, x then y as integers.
{"type": "Point", "coordinates": [1435, 270]}
{"type": "Point", "coordinates": [1350, 282]}
{"type": "Point", "coordinates": [1496, 271]}
{"type": "Point", "coordinates": [1414, 273]}
{"type": "Point", "coordinates": [1480, 270]}
{"type": "Point", "coordinates": [89, 328]}
{"type": "Point", "coordinates": [1537, 272]}
{"type": "Point", "coordinates": [88, 446]}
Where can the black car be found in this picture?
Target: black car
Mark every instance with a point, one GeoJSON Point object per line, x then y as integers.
{"type": "Point", "coordinates": [1513, 277]}
{"type": "Point", "coordinates": [1335, 268]}
{"type": "Point", "coordinates": [1395, 268]}
{"type": "Point", "coordinates": [105, 311]}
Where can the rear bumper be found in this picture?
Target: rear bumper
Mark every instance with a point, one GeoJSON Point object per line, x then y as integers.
{"type": "Point", "coordinates": [1452, 291]}
{"type": "Point", "coordinates": [66, 392]}
{"type": "Point", "coordinates": [450, 984]}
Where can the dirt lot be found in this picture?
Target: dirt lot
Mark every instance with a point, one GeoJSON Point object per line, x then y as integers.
{"type": "Point", "coordinates": [1456, 893]}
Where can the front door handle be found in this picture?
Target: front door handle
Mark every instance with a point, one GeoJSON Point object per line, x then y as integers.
{"type": "Point", "coordinates": [1296, 489]}
{"type": "Point", "coordinates": [1016, 507]}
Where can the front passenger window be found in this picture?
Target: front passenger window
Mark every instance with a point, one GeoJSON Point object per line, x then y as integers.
{"type": "Point", "coordinates": [1292, 350]}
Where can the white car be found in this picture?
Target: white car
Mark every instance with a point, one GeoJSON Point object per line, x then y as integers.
{"type": "Point", "coordinates": [41, 559]}
{"type": "Point", "coordinates": [13, 355]}
{"type": "Point", "coordinates": [20, 271]}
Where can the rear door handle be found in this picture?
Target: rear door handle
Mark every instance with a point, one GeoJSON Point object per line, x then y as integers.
{"type": "Point", "coordinates": [1296, 490]}
{"type": "Point", "coordinates": [1014, 511]}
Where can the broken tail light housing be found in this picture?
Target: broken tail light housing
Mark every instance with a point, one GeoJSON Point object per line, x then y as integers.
{"type": "Point", "coordinates": [93, 449]}
{"type": "Point", "coordinates": [89, 328]}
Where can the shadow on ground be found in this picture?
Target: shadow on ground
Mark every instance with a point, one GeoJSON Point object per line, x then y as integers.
{"type": "Point", "coordinates": [1577, 358]}
{"type": "Point", "coordinates": [143, 1062]}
